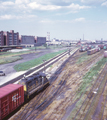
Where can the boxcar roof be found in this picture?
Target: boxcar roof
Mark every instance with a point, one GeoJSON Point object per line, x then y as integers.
{"type": "Point", "coordinates": [8, 89]}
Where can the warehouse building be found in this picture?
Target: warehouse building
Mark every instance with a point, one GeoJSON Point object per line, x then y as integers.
{"type": "Point", "coordinates": [31, 41]}
{"type": "Point", "coordinates": [27, 41]}
{"type": "Point", "coordinates": [9, 38]}
{"type": "Point", "coordinates": [40, 41]}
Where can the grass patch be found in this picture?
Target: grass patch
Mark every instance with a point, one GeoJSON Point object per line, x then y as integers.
{"type": "Point", "coordinates": [82, 58]}
{"type": "Point", "coordinates": [29, 64]}
{"type": "Point", "coordinates": [7, 54]}
{"type": "Point", "coordinates": [91, 75]}
{"type": "Point", "coordinates": [9, 59]}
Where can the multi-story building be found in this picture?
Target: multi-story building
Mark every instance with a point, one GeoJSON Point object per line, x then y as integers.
{"type": "Point", "coordinates": [1, 38]}
{"type": "Point", "coordinates": [9, 38]}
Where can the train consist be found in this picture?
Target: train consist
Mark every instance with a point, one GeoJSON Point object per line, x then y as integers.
{"type": "Point", "coordinates": [14, 95]}
{"type": "Point", "coordinates": [92, 51]}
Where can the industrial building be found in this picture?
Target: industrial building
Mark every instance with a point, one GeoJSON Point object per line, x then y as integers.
{"type": "Point", "coordinates": [9, 38]}
{"type": "Point", "coordinates": [27, 41]}
{"type": "Point", "coordinates": [40, 41]}
{"type": "Point", "coordinates": [30, 41]}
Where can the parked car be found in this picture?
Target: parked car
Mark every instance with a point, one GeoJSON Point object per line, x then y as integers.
{"type": "Point", "coordinates": [2, 73]}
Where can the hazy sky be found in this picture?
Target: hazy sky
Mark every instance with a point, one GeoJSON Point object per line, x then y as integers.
{"type": "Point", "coordinates": [64, 19]}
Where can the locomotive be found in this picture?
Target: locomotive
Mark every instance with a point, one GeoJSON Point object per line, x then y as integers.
{"type": "Point", "coordinates": [33, 83]}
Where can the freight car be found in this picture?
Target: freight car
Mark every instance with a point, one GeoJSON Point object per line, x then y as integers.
{"type": "Point", "coordinates": [14, 95]}
{"type": "Point", "coordinates": [92, 51]}
{"type": "Point", "coordinates": [33, 83]}
{"type": "Point", "coordinates": [11, 97]}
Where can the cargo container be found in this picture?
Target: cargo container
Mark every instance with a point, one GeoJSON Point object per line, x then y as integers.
{"type": "Point", "coordinates": [11, 97]}
{"type": "Point", "coordinates": [105, 54]}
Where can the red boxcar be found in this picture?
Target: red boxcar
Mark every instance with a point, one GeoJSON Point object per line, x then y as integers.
{"type": "Point", "coordinates": [11, 97]}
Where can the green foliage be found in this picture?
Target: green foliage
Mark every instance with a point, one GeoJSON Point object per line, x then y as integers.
{"type": "Point", "coordinates": [29, 64]}
{"type": "Point", "coordinates": [45, 45]}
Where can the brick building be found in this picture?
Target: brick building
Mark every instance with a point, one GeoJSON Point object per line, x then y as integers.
{"type": "Point", "coordinates": [9, 38]}
{"type": "Point", "coordinates": [1, 38]}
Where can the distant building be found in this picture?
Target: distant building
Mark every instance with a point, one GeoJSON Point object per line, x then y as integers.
{"type": "Point", "coordinates": [30, 41]}
{"type": "Point", "coordinates": [40, 41]}
{"type": "Point", "coordinates": [27, 40]}
{"type": "Point", "coordinates": [9, 38]}
{"type": "Point", "coordinates": [1, 38]}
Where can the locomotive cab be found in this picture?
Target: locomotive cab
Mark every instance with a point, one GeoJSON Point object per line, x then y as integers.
{"type": "Point", "coordinates": [23, 82]}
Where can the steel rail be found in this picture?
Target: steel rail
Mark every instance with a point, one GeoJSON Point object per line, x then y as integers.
{"type": "Point", "coordinates": [99, 87]}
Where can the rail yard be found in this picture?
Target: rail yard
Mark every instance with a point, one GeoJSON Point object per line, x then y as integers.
{"type": "Point", "coordinates": [77, 90]}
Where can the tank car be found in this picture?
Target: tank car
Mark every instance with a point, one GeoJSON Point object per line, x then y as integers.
{"type": "Point", "coordinates": [33, 83]}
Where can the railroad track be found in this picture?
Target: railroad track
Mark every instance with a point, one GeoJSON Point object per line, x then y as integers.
{"type": "Point", "coordinates": [85, 107]}
{"type": "Point", "coordinates": [60, 89]}
{"type": "Point", "coordinates": [81, 110]}
{"type": "Point", "coordinates": [63, 105]}
{"type": "Point", "coordinates": [35, 107]}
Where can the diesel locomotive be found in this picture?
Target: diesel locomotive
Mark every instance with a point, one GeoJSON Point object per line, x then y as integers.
{"type": "Point", "coordinates": [33, 83]}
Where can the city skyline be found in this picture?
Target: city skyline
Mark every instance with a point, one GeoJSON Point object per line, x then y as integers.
{"type": "Point", "coordinates": [64, 19]}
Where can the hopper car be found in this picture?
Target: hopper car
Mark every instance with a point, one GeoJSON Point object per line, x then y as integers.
{"type": "Point", "coordinates": [12, 96]}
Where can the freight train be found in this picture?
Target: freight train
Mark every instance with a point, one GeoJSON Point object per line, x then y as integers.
{"type": "Point", "coordinates": [92, 51]}
{"type": "Point", "coordinates": [14, 95]}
